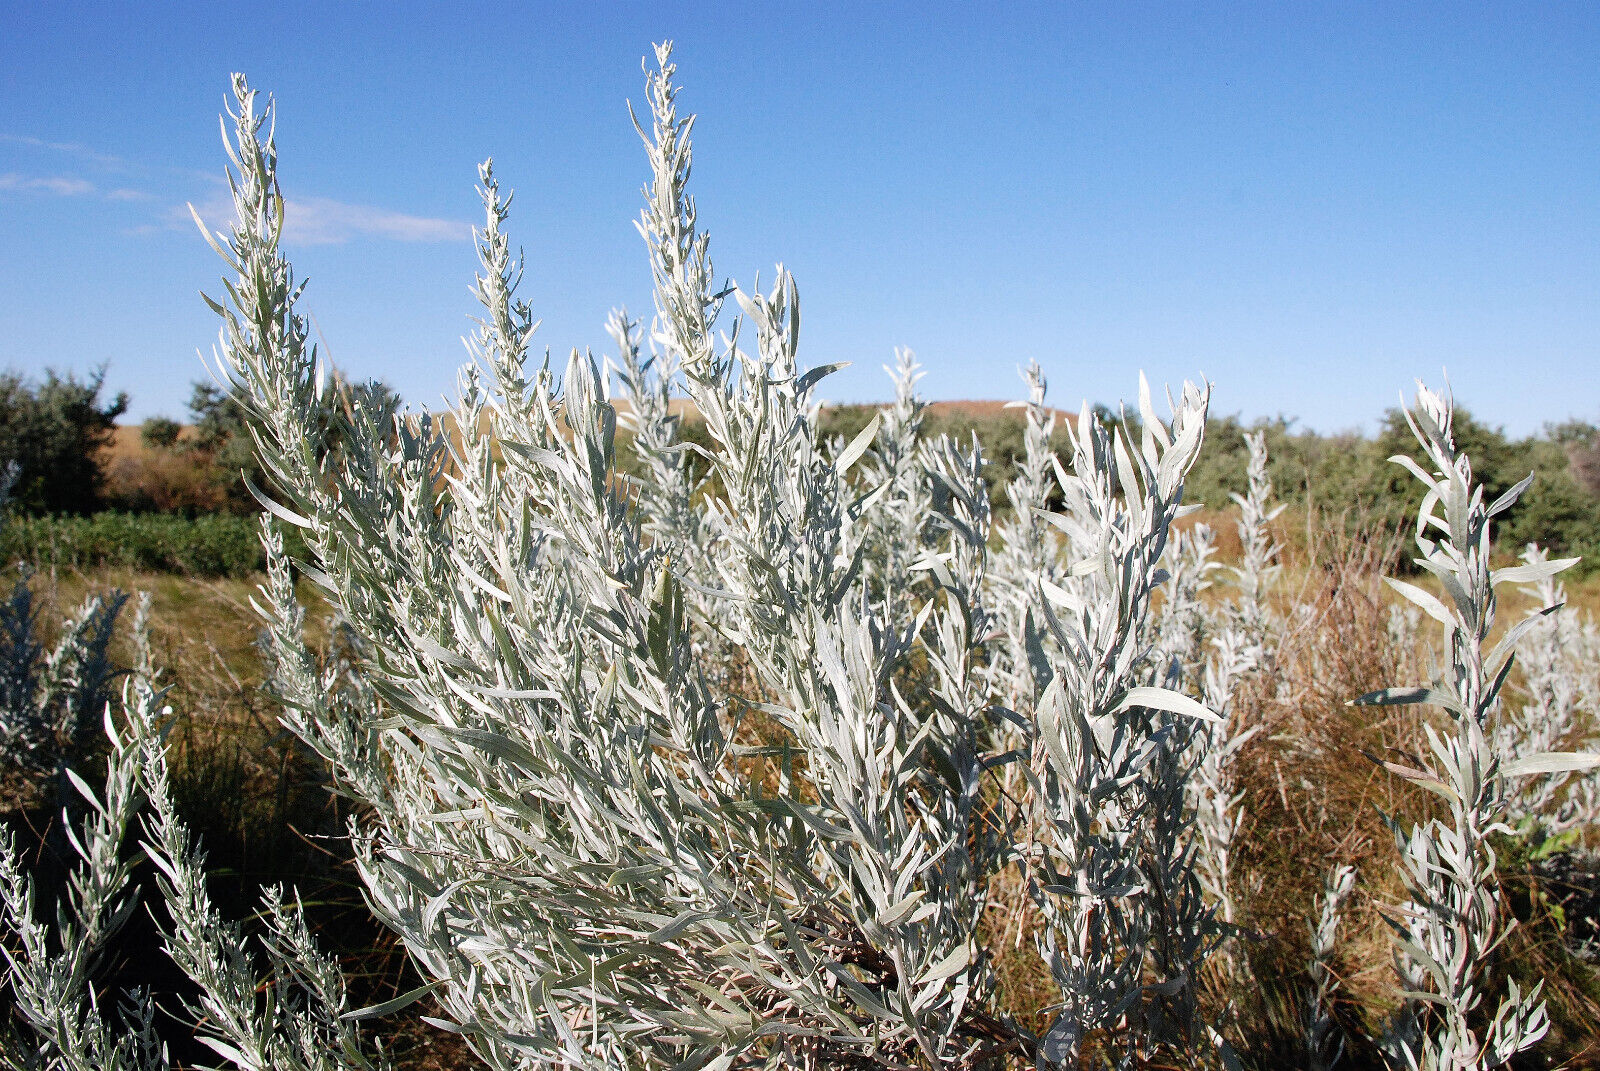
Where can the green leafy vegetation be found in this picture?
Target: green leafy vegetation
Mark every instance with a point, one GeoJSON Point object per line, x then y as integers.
{"type": "Point", "coordinates": [209, 545]}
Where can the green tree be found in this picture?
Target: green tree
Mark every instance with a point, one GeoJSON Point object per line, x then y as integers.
{"type": "Point", "coordinates": [1581, 442]}
{"type": "Point", "coordinates": [55, 433]}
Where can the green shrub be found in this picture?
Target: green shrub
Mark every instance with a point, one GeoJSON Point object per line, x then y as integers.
{"type": "Point", "coordinates": [160, 433]}
{"type": "Point", "coordinates": [211, 545]}
{"type": "Point", "coordinates": [1351, 475]}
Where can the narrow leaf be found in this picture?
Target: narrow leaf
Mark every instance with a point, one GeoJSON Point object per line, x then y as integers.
{"type": "Point", "coordinates": [388, 1007]}
{"type": "Point", "coordinates": [1166, 699]}
{"type": "Point", "coordinates": [1551, 762]}
{"type": "Point", "coordinates": [858, 445]}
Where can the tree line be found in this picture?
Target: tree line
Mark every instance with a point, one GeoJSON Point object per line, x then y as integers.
{"type": "Point", "coordinates": [58, 431]}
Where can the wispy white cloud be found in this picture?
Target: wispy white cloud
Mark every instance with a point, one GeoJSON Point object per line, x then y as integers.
{"type": "Point", "coordinates": [71, 148]}
{"type": "Point", "coordinates": [136, 169]}
{"type": "Point", "coordinates": [324, 221]}
{"type": "Point", "coordinates": [57, 185]}
{"type": "Point", "coordinates": [307, 220]}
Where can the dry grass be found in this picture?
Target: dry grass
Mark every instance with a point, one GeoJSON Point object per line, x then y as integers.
{"type": "Point", "coordinates": [1312, 796]}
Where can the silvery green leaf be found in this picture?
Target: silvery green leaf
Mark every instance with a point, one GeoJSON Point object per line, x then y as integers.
{"type": "Point", "coordinates": [1532, 573]}
{"type": "Point", "coordinates": [389, 1007]}
{"type": "Point", "coordinates": [1551, 762]}
{"type": "Point", "coordinates": [956, 962]}
{"type": "Point", "coordinates": [858, 445]}
{"type": "Point", "coordinates": [1423, 600]}
{"type": "Point", "coordinates": [1510, 497]}
{"type": "Point", "coordinates": [1168, 700]}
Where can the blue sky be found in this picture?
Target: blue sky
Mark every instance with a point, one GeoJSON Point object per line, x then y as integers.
{"type": "Point", "coordinates": [1308, 204]}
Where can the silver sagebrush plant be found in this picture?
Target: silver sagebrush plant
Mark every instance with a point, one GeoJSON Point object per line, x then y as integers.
{"type": "Point", "coordinates": [1111, 868]}
{"type": "Point", "coordinates": [1451, 924]}
{"type": "Point", "coordinates": [51, 969]}
{"type": "Point", "coordinates": [1028, 553]}
{"type": "Point", "coordinates": [560, 830]}
{"type": "Point", "coordinates": [1324, 1045]}
{"type": "Point", "coordinates": [51, 701]}
{"type": "Point", "coordinates": [1215, 647]}
{"type": "Point", "coordinates": [572, 825]}
{"type": "Point", "coordinates": [1556, 663]}
{"type": "Point", "coordinates": [1258, 566]}
{"type": "Point", "coordinates": [1186, 623]}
